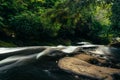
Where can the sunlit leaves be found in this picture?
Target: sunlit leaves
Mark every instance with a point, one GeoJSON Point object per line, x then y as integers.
{"type": "Point", "coordinates": [53, 18]}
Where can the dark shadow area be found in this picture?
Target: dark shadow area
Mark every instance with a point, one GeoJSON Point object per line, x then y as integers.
{"type": "Point", "coordinates": [45, 69]}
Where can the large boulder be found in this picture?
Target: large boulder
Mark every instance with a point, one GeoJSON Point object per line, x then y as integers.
{"type": "Point", "coordinates": [80, 66]}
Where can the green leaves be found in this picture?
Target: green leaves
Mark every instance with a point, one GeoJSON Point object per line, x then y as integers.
{"type": "Point", "coordinates": [60, 18]}
{"type": "Point", "coordinates": [1, 22]}
{"type": "Point", "coordinates": [27, 24]}
{"type": "Point", "coordinates": [116, 17]}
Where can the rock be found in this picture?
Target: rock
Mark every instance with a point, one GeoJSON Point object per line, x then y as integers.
{"type": "Point", "coordinates": [115, 39]}
{"type": "Point", "coordinates": [97, 61]}
{"type": "Point", "coordinates": [90, 59]}
{"type": "Point", "coordinates": [83, 43]}
{"type": "Point", "coordinates": [116, 44]}
{"type": "Point", "coordinates": [80, 67]}
{"type": "Point", "coordinates": [105, 52]}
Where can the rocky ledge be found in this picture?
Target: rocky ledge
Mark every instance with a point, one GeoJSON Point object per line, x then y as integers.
{"type": "Point", "coordinates": [91, 67]}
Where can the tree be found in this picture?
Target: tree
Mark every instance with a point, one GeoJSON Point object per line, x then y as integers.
{"type": "Point", "coordinates": [116, 18]}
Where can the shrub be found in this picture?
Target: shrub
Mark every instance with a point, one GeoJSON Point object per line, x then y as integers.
{"type": "Point", "coordinates": [26, 25]}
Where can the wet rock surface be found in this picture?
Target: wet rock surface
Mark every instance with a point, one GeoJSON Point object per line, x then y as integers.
{"type": "Point", "coordinates": [115, 44]}
{"type": "Point", "coordinates": [86, 65]}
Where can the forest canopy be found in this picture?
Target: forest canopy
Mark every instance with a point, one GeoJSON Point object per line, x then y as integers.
{"type": "Point", "coordinates": [48, 22]}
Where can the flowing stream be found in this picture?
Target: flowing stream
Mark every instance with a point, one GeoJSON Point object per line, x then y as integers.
{"type": "Point", "coordinates": [40, 62]}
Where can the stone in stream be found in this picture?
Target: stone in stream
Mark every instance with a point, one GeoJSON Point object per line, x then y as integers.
{"type": "Point", "coordinates": [116, 44]}
{"type": "Point", "coordinates": [81, 67]}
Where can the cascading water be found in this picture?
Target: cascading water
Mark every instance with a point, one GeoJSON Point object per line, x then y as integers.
{"type": "Point", "coordinates": [40, 62]}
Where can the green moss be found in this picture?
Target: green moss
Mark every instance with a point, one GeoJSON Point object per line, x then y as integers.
{"type": "Point", "coordinates": [6, 44]}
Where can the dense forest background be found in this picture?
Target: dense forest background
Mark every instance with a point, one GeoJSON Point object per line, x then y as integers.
{"type": "Point", "coordinates": [53, 22]}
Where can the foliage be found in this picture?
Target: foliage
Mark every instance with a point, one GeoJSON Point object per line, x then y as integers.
{"type": "Point", "coordinates": [115, 18]}
{"type": "Point", "coordinates": [26, 25]}
{"type": "Point", "coordinates": [7, 44]}
{"type": "Point", "coordinates": [72, 20]}
{"type": "Point", "coordinates": [82, 18]}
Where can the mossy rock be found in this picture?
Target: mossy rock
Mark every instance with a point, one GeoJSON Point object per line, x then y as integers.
{"type": "Point", "coordinates": [6, 44]}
